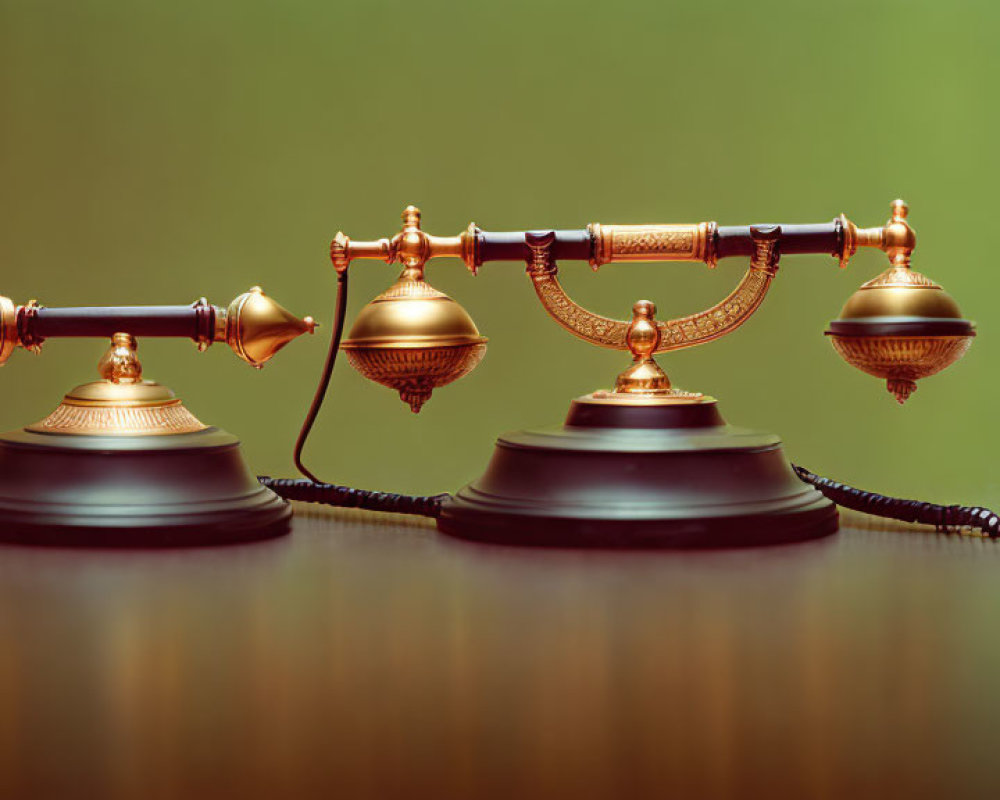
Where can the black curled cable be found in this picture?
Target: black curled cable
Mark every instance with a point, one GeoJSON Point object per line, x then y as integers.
{"type": "Point", "coordinates": [315, 491]}
{"type": "Point", "coordinates": [346, 497]}
{"type": "Point", "coordinates": [942, 517]}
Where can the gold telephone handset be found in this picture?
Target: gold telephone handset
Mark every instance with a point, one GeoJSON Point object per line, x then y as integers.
{"type": "Point", "coordinates": [899, 326]}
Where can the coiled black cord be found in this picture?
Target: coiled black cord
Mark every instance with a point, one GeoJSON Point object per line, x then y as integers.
{"type": "Point", "coordinates": [346, 497]}
{"type": "Point", "coordinates": [942, 517]}
{"type": "Point", "coordinates": [314, 490]}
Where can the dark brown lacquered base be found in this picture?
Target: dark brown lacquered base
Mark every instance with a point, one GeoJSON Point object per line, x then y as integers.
{"type": "Point", "coordinates": [132, 491]}
{"type": "Point", "coordinates": [639, 476]}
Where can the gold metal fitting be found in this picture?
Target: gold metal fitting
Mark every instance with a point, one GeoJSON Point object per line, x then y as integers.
{"type": "Point", "coordinates": [120, 363]}
{"type": "Point", "coordinates": [10, 334]}
{"type": "Point", "coordinates": [896, 238]}
{"type": "Point", "coordinates": [256, 327]}
{"type": "Point", "coordinates": [645, 381]}
{"type": "Point", "coordinates": [645, 376]}
{"type": "Point", "coordinates": [9, 338]}
{"type": "Point", "coordinates": [411, 247]}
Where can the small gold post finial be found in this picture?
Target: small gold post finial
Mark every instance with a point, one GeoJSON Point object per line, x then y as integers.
{"type": "Point", "coordinates": [411, 217]}
{"type": "Point", "coordinates": [412, 245]}
{"type": "Point", "coordinates": [898, 238]}
{"type": "Point", "coordinates": [645, 376]}
{"type": "Point", "coordinates": [120, 364]}
{"type": "Point", "coordinates": [643, 337]}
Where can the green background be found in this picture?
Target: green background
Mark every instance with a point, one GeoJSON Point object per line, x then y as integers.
{"type": "Point", "coordinates": [156, 152]}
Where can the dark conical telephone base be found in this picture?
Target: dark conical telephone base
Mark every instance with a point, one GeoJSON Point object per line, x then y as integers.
{"type": "Point", "coordinates": [639, 476]}
{"type": "Point", "coordinates": [132, 491]}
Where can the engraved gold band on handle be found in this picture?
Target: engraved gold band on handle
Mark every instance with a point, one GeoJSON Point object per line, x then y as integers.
{"type": "Point", "coordinates": [653, 243]}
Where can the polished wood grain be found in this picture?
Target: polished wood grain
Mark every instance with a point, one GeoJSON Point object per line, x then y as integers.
{"type": "Point", "coordinates": [368, 656]}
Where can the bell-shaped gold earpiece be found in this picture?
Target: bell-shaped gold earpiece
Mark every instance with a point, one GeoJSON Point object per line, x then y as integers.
{"type": "Point", "coordinates": [901, 325]}
{"type": "Point", "coordinates": [413, 338]}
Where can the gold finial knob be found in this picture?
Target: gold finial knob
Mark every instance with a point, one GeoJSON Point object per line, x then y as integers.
{"type": "Point", "coordinates": [645, 376]}
{"type": "Point", "coordinates": [898, 238]}
{"type": "Point", "coordinates": [411, 245]}
{"type": "Point", "coordinates": [642, 336]}
{"type": "Point", "coordinates": [120, 364]}
{"type": "Point", "coordinates": [411, 217]}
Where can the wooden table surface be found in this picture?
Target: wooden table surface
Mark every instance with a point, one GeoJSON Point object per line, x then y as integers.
{"type": "Point", "coordinates": [368, 656]}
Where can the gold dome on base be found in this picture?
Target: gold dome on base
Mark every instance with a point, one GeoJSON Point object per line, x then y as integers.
{"type": "Point", "coordinates": [103, 408]}
{"type": "Point", "coordinates": [122, 404]}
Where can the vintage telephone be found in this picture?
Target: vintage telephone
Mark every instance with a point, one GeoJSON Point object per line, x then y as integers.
{"type": "Point", "coordinates": [645, 463]}
{"type": "Point", "coordinates": [121, 461]}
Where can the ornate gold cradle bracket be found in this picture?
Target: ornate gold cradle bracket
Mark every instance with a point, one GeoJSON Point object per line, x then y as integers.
{"type": "Point", "coordinates": [712, 323]}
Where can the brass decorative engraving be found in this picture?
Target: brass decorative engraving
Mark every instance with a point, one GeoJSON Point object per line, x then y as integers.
{"type": "Point", "coordinates": [416, 372]}
{"type": "Point", "coordinates": [722, 318]}
{"type": "Point", "coordinates": [653, 243]}
{"type": "Point", "coordinates": [712, 323]}
{"type": "Point", "coordinates": [901, 360]}
{"type": "Point", "coordinates": [584, 324]}
{"type": "Point", "coordinates": [900, 277]}
{"type": "Point", "coordinates": [95, 420]}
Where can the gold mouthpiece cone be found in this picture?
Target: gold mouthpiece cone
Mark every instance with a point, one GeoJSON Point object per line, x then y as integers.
{"type": "Point", "coordinates": [256, 327]}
